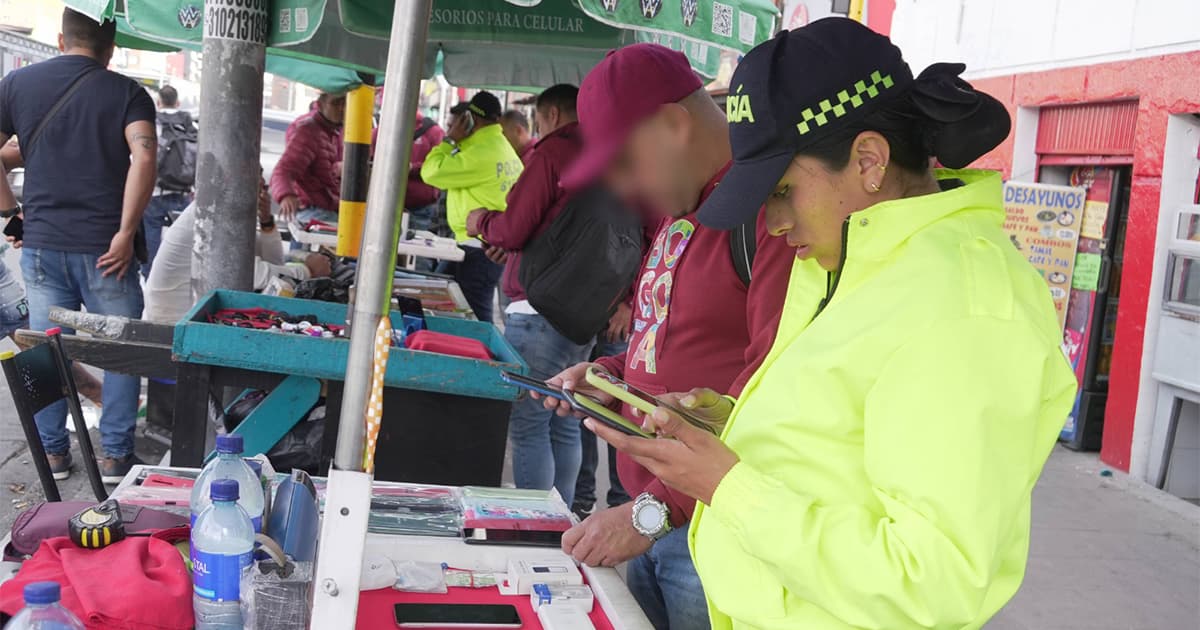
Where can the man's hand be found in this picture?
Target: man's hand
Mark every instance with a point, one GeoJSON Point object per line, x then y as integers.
{"type": "Point", "coordinates": [572, 379]}
{"type": "Point", "coordinates": [475, 222]}
{"type": "Point", "coordinates": [119, 256]}
{"type": "Point", "coordinates": [618, 324]}
{"type": "Point", "coordinates": [497, 255]}
{"type": "Point", "coordinates": [458, 128]}
{"type": "Point", "coordinates": [288, 207]}
{"type": "Point", "coordinates": [318, 266]}
{"type": "Point", "coordinates": [606, 539]}
{"type": "Point", "coordinates": [694, 462]}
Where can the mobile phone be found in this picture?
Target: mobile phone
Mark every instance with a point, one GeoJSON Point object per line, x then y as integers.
{"type": "Point", "coordinates": [639, 399]}
{"type": "Point", "coordinates": [581, 403]}
{"type": "Point", "coordinates": [532, 384]}
{"type": "Point", "coordinates": [457, 616]}
{"type": "Point", "coordinates": [470, 120]}
{"type": "Point", "coordinates": [519, 537]}
{"type": "Point", "coordinates": [596, 410]}
{"type": "Point", "coordinates": [15, 228]}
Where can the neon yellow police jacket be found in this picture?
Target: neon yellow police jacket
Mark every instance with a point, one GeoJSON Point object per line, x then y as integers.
{"type": "Point", "coordinates": [478, 173]}
{"type": "Point", "coordinates": [891, 439]}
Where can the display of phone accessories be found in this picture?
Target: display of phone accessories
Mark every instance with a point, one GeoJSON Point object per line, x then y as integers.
{"type": "Point", "coordinates": [564, 618]}
{"type": "Point", "coordinates": [579, 597]}
{"type": "Point", "coordinates": [551, 570]}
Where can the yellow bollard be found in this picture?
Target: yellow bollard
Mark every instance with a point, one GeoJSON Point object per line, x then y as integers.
{"type": "Point", "coordinates": [360, 106]}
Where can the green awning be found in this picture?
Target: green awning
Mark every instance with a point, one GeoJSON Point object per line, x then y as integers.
{"type": "Point", "coordinates": [477, 43]}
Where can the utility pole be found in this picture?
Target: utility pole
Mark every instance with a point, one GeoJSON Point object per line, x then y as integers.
{"type": "Point", "coordinates": [227, 170]}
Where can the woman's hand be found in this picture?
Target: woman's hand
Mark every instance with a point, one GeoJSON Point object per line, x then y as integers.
{"type": "Point", "coordinates": [685, 457]}
{"type": "Point", "coordinates": [572, 379]}
{"type": "Point", "coordinates": [701, 403]}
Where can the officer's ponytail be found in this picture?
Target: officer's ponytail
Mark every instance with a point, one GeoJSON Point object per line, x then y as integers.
{"type": "Point", "coordinates": [940, 116]}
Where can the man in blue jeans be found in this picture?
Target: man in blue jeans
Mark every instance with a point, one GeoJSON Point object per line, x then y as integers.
{"type": "Point", "coordinates": [477, 168]}
{"type": "Point", "coordinates": [80, 224]}
{"type": "Point", "coordinates": [546, 450]}
{"type": "Point", "coordinates": [175, 179]}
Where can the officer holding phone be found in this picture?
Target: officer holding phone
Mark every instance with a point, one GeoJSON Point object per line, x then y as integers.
{"type": "Point", "coordinates": [476, 166]}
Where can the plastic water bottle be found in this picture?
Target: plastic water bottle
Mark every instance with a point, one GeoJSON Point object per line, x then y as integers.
{"type": "Point", "coordinates": [222, 550]}
{"type": "Point", "coordinates": [42, 610]}
{"type": "Point", "coordinates": [228, 464]}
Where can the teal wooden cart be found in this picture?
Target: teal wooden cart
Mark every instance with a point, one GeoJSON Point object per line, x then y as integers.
{"type": "Point", "coordinates": [445, 417]}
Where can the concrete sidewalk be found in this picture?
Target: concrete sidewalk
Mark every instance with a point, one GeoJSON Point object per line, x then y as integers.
{"type": "Point", "coordinates": [1108, 553]}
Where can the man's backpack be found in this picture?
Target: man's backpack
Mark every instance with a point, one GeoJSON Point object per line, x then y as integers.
{"type": "Point", "coordinates": [579, 270]}
{"type": "Point", "coordinates": [743, 244]}
{"type": "Point", "coordinates": [177, 148]}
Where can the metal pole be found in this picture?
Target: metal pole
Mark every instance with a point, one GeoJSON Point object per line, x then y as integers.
{"type": "Point", "coordinates": [381, 226]}
{"type": "Point", "coordinates": [227, 169]}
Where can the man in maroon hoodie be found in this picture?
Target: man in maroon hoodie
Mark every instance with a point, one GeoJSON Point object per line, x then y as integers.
{"type": "Point", "coordinates": [546, 452]}
{"type": "Point", "coordinates": [663, 140]}
{"type": "Point", "coordinates": [307, 180]}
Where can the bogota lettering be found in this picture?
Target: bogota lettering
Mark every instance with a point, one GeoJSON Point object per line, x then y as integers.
{"type": "Point", "coordinates": [239, 20]}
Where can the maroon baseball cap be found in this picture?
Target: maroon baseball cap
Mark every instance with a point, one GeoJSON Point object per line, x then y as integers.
{"type": "Point", "coordinates": [627, 87]}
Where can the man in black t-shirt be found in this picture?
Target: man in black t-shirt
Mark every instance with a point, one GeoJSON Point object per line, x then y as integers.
{"type": "Point", "coordinates": [89, 173]}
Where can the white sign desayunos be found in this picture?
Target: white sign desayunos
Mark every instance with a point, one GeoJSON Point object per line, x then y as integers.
{"type": "Point", "coordinates": [237, 20]}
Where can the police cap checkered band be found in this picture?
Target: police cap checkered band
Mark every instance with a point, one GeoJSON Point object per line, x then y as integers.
{"type": "Point", "coordinates": [792, 91]}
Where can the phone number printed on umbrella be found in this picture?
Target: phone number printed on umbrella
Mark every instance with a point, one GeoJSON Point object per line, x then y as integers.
{"type": "Point", "coordinates": [237, 20]}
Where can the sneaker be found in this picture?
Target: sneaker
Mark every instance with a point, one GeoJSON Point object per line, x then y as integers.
{"type": "Point", "coordinates": [113, 470]}
{"type": "Point", "coordinates": [60, 465]}
{"type": "Point", "coordinates": [582, 511]}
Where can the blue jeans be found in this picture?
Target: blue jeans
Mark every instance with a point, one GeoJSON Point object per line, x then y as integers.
{"type": "Point", "coordinates": [477, 276]}
{"type": "Point", "coordinates": [14, 310]}
{"type": "Point", "coordinates": [68, 279]}
{"type": "Point", "coordinates": [157, 218]}
{"type": "Point", "coordinates": [585, 486]}
{"type": "Point", "coordinates": [545, 448]}
{"type": "Point", "coordinates": [665, 584]}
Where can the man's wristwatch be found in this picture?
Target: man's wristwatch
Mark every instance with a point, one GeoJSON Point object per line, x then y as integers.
{"type": "Point", "coordinates": [267, 223]}
{"type": "Point", "coordinates": [651, 517]}
{"type": "Point", "coordinates": [10, 213]}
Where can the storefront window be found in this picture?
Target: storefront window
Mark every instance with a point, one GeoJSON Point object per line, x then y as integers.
{"type": "Point", "coordinates": [1183, 276]}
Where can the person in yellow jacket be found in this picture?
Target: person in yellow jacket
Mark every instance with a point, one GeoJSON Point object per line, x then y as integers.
{"type": "Point", "coordinates": [476, 166]}
{"type": "Point", "coordinates": [877, 470]}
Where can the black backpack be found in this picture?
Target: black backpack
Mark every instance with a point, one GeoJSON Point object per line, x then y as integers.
{"type": "Point", "coordinates": [579, 270]}
{"type": "Point", "coordinates": [177, 145]}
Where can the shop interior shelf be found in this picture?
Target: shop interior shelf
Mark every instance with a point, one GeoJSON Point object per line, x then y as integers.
{"type": "Point", "coordinates": [198, 341]}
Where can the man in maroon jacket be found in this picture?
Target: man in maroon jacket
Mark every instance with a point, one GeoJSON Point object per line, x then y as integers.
{"type": "Point", "coordinates": [546, 452]}
{"type": "Point", "coordinates": [696, 323]}
{"type": "Point", "coordinates": [307, 180]}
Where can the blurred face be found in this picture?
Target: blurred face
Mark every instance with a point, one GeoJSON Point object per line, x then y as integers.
{"type": "Point", "coordinates": [651, 167]}
{"type": "Point", "coordinates": [811, 202]}
{"type": "Point", "coordinates": [516, 135]}
{"type": "Point", "coordinates": [333, 108]}
{"type": "Point", "coordinates": [548, 119]}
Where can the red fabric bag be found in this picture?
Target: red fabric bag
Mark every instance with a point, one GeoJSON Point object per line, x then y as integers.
{"type": "Point", "coordinates": [441, 343]}
{"type": "Point", "coordinates": [139, 583]}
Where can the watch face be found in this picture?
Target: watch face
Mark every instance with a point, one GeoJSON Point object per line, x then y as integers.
{"type": "Point", "coordinates": [650, 518]}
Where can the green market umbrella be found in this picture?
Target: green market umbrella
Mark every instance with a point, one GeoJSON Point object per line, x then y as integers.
{"type": "Point", "coordinates": [477, 43]}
